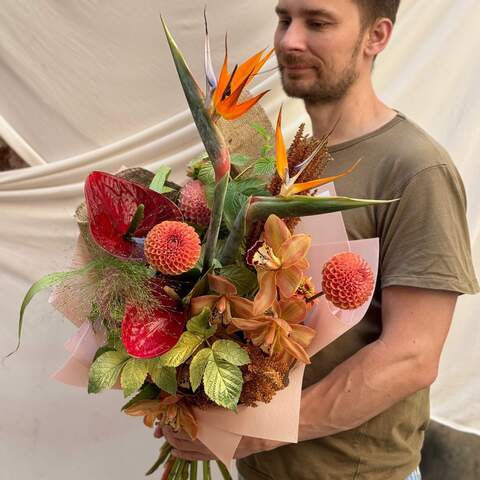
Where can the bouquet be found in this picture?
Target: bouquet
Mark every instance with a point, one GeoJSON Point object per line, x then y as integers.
{"type": "Point", "coordinates": [198, 299]}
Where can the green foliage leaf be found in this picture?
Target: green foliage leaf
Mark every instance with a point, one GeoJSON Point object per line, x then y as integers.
{"type": "Point", "coordinates": [158, 182]}
{"type": "Point", "coordinates": [264, 166]}
{"type": "Point", "coordinates": [102, 350]}
{"type": "Point", "coordinates": [184, 348]}
{"type": "Point", "coordinates": [164, 377]}
{"type": "Point", "coordinates": [231, 352]}
{"type": "Point", "coordinates": [105, 371]}
{"type": "Point", "coordinates": [197, 367]}
{"type": "Point", "coordinates": [148, 392]}
{"type": "Point", "coordinates": [222, 382]}
{"type": "Point", "coordinates": [133, 376]}
{"type": "Point", "coordinates": [237, 195]}
{"type": "Point", "coordinates": [239, 160]}
{"type": "Point", "coordinates": [242, 277]}
{"type": "Point", "coordinates": [200, 324]}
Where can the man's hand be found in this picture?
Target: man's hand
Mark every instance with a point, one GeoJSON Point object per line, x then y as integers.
{"type": "Point", "coordinates": [189, 449]}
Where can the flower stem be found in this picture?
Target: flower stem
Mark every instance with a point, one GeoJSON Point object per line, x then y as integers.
{"type": "Point", "coordinates": [193, 470]}
{"type": "Point", "coordinates": [317, 295]}
{"type": "Point", "coordinates": [207, 474]}
{"type": "Point", "coordinates": [224, 471]}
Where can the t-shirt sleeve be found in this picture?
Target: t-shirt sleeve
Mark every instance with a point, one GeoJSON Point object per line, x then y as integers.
{"type": "Point", "coordinates": [424, 238]}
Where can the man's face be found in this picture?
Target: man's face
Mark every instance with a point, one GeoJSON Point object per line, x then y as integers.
{"type": "Point", "coordinates": [319, 48]}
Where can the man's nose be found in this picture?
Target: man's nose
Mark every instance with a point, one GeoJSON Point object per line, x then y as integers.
{"type": "Point", "coordinates": [293, 38]}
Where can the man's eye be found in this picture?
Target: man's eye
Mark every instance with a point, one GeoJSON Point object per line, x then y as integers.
{"type": "Point", "coordinates": [317, 25]}
{"type": "Point", "coordinates": [285, 22]}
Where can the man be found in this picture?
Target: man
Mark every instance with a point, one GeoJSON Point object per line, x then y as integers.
{"type": "Point", "coordinates": [365, 401]}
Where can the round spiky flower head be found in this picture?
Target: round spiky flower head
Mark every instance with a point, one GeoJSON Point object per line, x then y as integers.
{"type": "Point", "coordinates": [193, 203]}
{"type": "Point", "coordinates": [347, 280]}
{"type": "Point", "coordinates": [172, 247]}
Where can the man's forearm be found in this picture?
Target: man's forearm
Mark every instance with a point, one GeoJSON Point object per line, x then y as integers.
{"type": "Point", "coordinates": [368, 383]}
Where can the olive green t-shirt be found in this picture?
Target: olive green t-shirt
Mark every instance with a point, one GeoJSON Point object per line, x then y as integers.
{"type": "Point", "coordinates": [424, 242]}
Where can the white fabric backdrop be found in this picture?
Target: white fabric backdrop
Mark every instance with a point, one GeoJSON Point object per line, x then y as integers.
{"type": "Point", "coordinates": [90, 85]}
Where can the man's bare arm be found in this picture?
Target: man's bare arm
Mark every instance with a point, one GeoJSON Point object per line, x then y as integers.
{"type": "Point", "coordinates": [402, 361]}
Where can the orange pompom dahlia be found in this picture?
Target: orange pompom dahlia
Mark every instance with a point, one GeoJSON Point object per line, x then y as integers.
{"type": "Point", "coordinates": [172, 247]}
{"type": "Point", "coordinates": [347, 280]}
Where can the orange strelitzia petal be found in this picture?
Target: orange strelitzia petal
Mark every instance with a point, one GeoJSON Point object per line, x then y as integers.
{"type": "Point", "coordinates": [301, 187]}
{"type": "Point", "coordinates": [281, 160]}
{"type": "Point", "coordinates": [250, 67]}
{"type": "Point", "coordinates": [236, 111]}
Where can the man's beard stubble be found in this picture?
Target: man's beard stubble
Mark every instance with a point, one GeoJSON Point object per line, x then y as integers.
{"type": "Point", "coordinates": [328, 87]}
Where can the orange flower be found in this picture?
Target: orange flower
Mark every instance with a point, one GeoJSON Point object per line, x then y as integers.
{"type": "Point", "coordinates": [230, 86]}
{"type": "Point", "coordinates": [170, 411]}
{"type": "Point", "coordinates": [289, 187]}
{"type": "Point", "coordinates": [226, 301]}
{"type": "Point", "coordinates": [280, 334]}
{"type": "Point", "coordinates": [280, 262]}
{"type": "Point", "coordinates": [348, 280]}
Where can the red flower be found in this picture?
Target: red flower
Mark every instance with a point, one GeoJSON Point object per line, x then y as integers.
{"type": "Point", "coordinates": [347, 280]}
{"type": "Point", "coordinates": [111, 204]}
{"type": "Point", "coordinates": [150, 333]}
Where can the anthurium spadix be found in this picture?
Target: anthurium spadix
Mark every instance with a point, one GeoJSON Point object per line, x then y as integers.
{"type": "Point", "coordinates": [213, 141]}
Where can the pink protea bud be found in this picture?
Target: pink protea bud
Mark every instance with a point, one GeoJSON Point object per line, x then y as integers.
{"type": "Point", "coordinates": [172, 247]}
{"type": "Point", "coordinates": [348, 280]}
{"type": "Point", "coordinates": [193, 204]}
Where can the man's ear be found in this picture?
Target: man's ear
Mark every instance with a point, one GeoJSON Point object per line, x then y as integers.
{"type": "Point", "coordinates": [379, 36]}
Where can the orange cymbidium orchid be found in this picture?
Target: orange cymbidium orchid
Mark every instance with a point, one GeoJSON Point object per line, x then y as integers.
{"type": "Point", "coordinates": [280, 262]}
{"type": "Point", "coordinates": [280, 333]}
{"type": "Point", "coordinates": [170, 411]}
{"type": "Point", "coordinates": [230, 86]}
{"type": "Point", "coordinates": [289, 187]}
{"type": "Point", "coordinates": [225, 302]}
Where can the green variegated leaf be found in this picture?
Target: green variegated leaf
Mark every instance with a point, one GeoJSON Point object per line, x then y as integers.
{"type": "Point", "coordinates": [184, 348]}
{"type": "Point", "coordinates": [197, 367]}
{"type": "Point", "coordinates": [133, 375]}
{"type": "Point", "coordinates": [222, 382]}
{"type": "Point", "coordinates": [164, 377]}
{"type": "Point", "coordinates": [105, 371]}
{"type": "Point", "coordinates": [200, 324]}
{"type": "Point", "coordinates": [148, 392]}
{"type": "Point", "coordinates": [231, 352]}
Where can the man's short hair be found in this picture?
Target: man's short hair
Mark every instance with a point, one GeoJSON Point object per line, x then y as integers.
{"type": "Point", "coordinates": [371, 10]}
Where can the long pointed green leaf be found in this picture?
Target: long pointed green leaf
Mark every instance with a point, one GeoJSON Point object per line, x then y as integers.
{"type": "Point", "coordinates": [49, 280]}
{"type": "Point", "coordinates": [213, 141]}
{"type": "Point", "coordinates": [302, 206]}
{"type": "Point", "coordinates": [210, 134]}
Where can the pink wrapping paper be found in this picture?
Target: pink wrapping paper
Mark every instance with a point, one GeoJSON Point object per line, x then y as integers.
{"type": "Point", "coordinates": [221, 430]}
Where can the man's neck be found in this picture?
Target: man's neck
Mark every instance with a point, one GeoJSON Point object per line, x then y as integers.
{"type": "Point", "coordinates": [358, 113]}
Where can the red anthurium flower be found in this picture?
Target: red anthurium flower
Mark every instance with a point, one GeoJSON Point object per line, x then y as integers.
{"type": "Point", "coordinates": [111, 204]}
{"type": "Point", "coordinates": [150, 333]}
